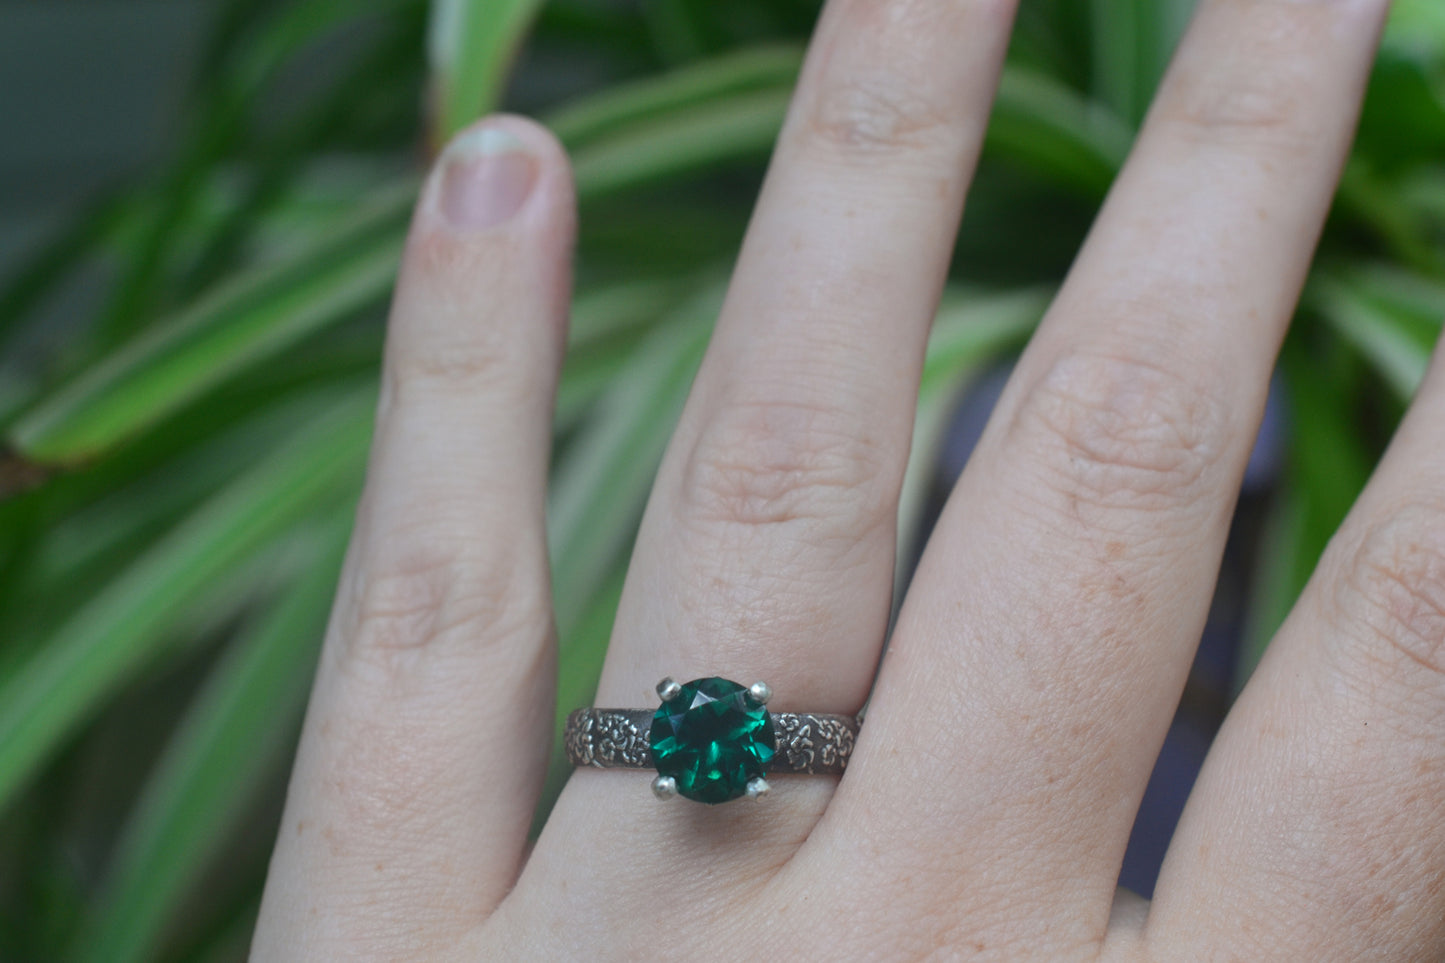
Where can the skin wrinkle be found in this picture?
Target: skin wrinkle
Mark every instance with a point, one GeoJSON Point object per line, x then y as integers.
{"type": "Point", "coordinates": [1134, 435]}
{"type": "Point", "coordinates": [1392, 592]}
{"type": "Point", "coordinates": [776, 462]}
{"type": "Point", "coordinates": [864, 105]}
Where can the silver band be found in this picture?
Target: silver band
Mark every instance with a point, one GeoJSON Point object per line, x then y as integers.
{"type": "Point", "coordinates": [808, 742]}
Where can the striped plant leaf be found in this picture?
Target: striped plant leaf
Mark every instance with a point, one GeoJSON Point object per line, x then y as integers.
{"type": "Point", "coordinates": [127, 623]}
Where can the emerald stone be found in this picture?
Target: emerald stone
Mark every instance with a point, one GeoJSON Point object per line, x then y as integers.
{"type": "Point", "coordinates": [712, 738]}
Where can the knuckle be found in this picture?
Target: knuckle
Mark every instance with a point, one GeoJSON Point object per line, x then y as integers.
{"type": "Point", "coordinates": [873, 114]}
{"type": "Point", "coordinates": [1238, 110]}
{"type": "Point", "coordinates": [775, 463]}
{"type": "Point", "coordinates": [1258, 94]}
{"type": "Point", "coordinates": [442, 337]}
{"type": "Point", "coordinates": [878, 87]}
{"type": "Point", "coordinates": [477, 366]}
{"type": "Point", "coordinates": [1119, 431]}
{"type": "Point", "coordinates": [423, 597]}
{"type": "Point", "coordinates": [1389, 599]}
{"type": "Point", "coordinates": [482, 364]}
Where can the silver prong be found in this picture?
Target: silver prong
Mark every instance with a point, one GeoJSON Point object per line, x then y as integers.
{"type": "Point", "coordinates": [665, 787]}
{"type": "Point", "coordinates": [669, 688]}
{"type": "Point", "coordinates": [757, 787]}
{"type": "Point", "coordinates": [761, 692]}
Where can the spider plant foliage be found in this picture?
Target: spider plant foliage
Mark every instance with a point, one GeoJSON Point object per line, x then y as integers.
{"type": "Point", "coordinates": [179, 465]}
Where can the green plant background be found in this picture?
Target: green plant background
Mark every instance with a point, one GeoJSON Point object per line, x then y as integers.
{"type": "Point", "coordinates": [178, 478]}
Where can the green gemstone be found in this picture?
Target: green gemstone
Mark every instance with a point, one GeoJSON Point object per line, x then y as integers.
{"type": "Point", "coordinates": [712, 738]}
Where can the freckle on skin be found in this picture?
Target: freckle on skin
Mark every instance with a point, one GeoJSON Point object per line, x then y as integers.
{"type": "Point", "coordinates": [329, 834]}
{"type": "Point", "coordinates": [300, 826]}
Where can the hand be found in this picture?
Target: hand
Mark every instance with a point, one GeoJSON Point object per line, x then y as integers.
{"type": "Point", "coordinates": [1047, 634]}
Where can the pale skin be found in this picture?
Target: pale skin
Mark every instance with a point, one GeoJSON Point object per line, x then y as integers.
{"type": "Point", "coordinates": [1044, 642]}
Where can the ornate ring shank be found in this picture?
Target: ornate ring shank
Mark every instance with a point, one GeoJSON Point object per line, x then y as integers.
{"type": "Point", "coordinates": [808, 742]}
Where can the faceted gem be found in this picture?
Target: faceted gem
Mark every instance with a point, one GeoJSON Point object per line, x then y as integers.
{"type": "Point", "coordinates": [712, 738]}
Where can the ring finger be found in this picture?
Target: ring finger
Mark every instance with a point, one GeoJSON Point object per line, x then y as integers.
{"type": "Point", "coordinates": [766, 552]}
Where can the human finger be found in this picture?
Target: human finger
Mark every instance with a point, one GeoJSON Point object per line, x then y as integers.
{"type": "Point", "coordinates": [1315, 829]}
{"type": "Point", "coordinates": [1049, 629]}
{"type": "Point", "coordinates": [437, 672]}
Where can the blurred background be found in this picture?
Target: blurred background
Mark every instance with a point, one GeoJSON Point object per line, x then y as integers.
{"type": "Point", "coordinates": [201, 208]}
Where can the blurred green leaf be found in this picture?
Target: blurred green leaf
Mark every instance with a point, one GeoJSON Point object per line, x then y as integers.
{"type": "Point", "coordinates": [230, 942]}
{"type": "Point", "coordinates": [74, 542]}
{"type": "Point", "coordinates": [238, 728]}
{"type": "Point", "coordinates": [738, 126]}
{"type": "Point", "coordinates": [1417, 26]}
{"type": "Point", "coordinates": [607, 325]}
{"type": "Point", "coordinates": [268, 310]}
{"type": "Point", "coordinates": [625, 105]}
{"type": "Point", "coordinates": [676, 31]}
{"type": "Point", "coordinates": [612, 464]}
{"type": "Point", "coordinates": [973, 329]}
{"type": "Point", "coordinates": [1402, 122]}
{"type": "Point", "coordinates": [1329, 463]}
{"type": "Point", "coordinates": [90, 544]}
{"type": "Point", "coordinates": [252, 318]}
{"type": "Point", "coordinates": [1119, 34]}
{"type": "Point", "coordinates": [291, 31]}
{"type": "Point", "coordinates": [471, 47]}
{"type": "Point", "coordinates": [42, 272]}
{"type": "Point", "coordinates": [937, 399]}
{"type": "Point", "coordinates": [1047, 127]}
{"type": "Point", "coordinates": [1131, 43]}
{"type": "Point", "coordinates": [221, 123]}
{"type": "Point", "coordinates": [128, 621]}
{"type": "Point", "coordinates": [1392, 318]}
{"type": "Point", "coordinates": [1383, 204]}
{"type": "Point", "coordinates": [279, 157]}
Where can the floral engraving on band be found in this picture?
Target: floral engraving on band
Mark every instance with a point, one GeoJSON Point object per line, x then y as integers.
{"type": "Point", "coordinates": [606, 740]}
{"type": "Point", "coordinates": [809, 743]}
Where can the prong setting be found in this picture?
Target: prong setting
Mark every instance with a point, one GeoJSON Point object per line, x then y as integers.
{"type": "Point", "coordinates": [757, 787]}
{"type": "Point", "coordinates": [669, 689]}
{"type": "Point", "coordinates": [664, 787]}
{"type": "Point", "coordinates": [761, 692]}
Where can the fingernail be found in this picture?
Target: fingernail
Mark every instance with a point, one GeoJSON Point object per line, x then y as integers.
{"type": "Point", "coordinates": [487, 176]}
